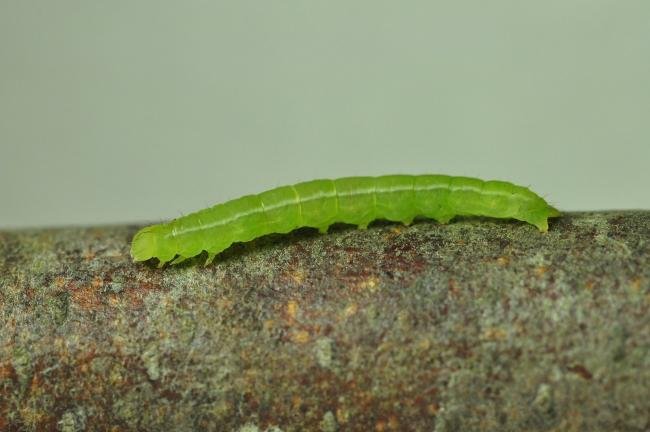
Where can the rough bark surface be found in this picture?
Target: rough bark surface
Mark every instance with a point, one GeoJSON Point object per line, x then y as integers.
{"type": "Point", "coordinates": [476, 325]}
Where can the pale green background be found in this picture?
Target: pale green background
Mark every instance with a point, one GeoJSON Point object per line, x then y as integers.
{"type": "Point", "coordinates": [124, 111]}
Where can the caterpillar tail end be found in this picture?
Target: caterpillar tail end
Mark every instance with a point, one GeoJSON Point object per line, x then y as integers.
{"type": "Point", "coordinates": [542, 221]}
{"type": "Point", "coordinates": [542, 226]}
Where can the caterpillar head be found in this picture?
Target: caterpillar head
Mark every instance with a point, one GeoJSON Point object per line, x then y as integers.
{"type": "Point", "coordinates": [144, 244]}
{"type": "Point", "coordinates": [150, 242]}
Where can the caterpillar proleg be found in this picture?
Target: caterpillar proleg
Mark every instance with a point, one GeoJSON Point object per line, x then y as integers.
{"type": "Point", "coordinates": [320, 203]}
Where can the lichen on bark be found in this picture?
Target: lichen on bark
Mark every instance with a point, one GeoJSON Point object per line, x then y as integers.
{"type": "Point", "coordinates": [476, 325]}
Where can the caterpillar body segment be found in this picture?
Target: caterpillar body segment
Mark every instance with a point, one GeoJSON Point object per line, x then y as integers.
{"type": "Point", "coordinates": [320, 203]}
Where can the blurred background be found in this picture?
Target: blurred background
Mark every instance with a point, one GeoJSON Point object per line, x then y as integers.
{"type": "Point", "coordinates": [135, 111]}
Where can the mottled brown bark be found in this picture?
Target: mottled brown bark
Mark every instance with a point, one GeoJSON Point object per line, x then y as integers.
{"type": "Point", "coordinates": [476, 325]}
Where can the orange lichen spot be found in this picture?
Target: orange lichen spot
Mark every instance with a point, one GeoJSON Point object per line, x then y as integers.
{"type": "Point", "coordinates": [381, 425]}
{"type": "Point", "coordinates": [540, 270]}
{"type": "Point", "coordinates": [350, 310]}
{"type": "Point", "coordinates": [581, 371]}
{"type": "Point", "coordinates": [296, 402]}
{"type": "Point", "coordinates": [433, 409]}
{"type": "Point", "coordinates": [300, 336]}
{"type": "Point", "coordinates": [503, 261]}
{"type": "Point", "coordinates": [32, 415]}
{"type": "Point", "coordinates": [36, 385]}
{"type": "Point", "coordinates": [494, 333]}
{"type": "Point", "coordinates": [385, 347]}
{"type": "Point", "coordinates": [370, 283]}
{"type": "Point", "coordinates": [297, 276]}
{"type": "Point", "coordinates": [114, 300]}
{"type": "Point", "coordinates": [97, 282]}
{"type": "Point", "coordinates": [342, 415]}
{"type": "Point", "coordinates": [291, 310]}
{"type": "Point", "coordinates": [6, 371]}
{"type": "Point", "coordinates": [225, 304]}
{"type": "Point", "coordinates": [86, 297]}
{"type": "Point", "coordinates": [88, 255]}
{"type": "Point", "coordinates": [59, 282]}
{"type": "Point", "coordinates": [590, 285]}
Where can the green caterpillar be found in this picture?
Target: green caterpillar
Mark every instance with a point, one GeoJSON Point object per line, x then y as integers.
{"type": "Point", "coordinates": [320, 203]}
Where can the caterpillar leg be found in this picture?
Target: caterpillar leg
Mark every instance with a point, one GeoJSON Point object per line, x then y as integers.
{"type": "Point", "coordinates": [179, 259]}
{"type": "Point", "coordinates": [363, 225]}
{"type": "Point", "coordinates": [540, 223]}
{"type": "Point", "coordinates": [210, 258]}
{"type": "Point", "coordinates": [443, 219]}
